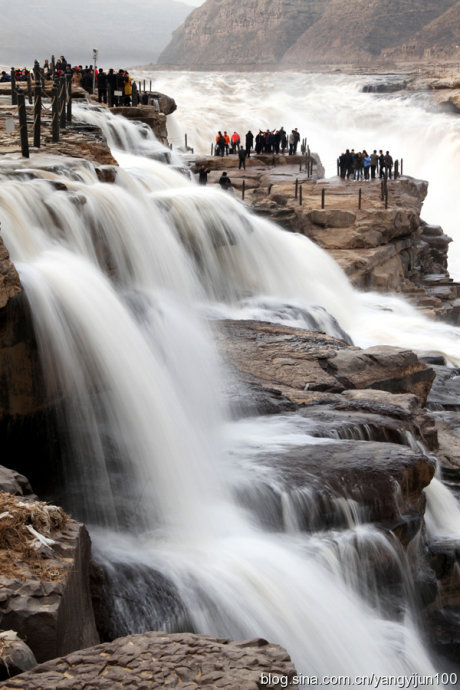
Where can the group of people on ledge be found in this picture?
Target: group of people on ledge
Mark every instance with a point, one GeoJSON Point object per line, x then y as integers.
{"type": "Point", "coordinates": [268, 141]}
{"type": "Point", "coordinates": [360, 165]}
{"type": "Point", "coordinates": [19, 75]}
{"type": "Point", "coordinates": [89, 78]}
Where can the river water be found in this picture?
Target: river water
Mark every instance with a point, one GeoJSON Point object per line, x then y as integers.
{"type": "Point", "coordinates": [124, 281]}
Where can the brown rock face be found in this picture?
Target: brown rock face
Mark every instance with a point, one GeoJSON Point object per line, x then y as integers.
{"type": "Point", "coordinates": [298, 363]}
{"type": "Point", "coordinates": [10, 285]}
{"type": "Point", "coordinates": [44, 588]}
{"type": "Point", "coordinates": [354, 31]}
{"type": "Point", "coordinates": [256, 32]}
{"type": "Point", "coordinates": [296, 32]}
{"type": "Point", "coordinates": [158, 660]}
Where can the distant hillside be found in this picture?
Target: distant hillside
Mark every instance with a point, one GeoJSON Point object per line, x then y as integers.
{"type": "Point", "coordinates": [441, 34]}
{"type": "Point", "coordinates": [253, 32]}
{"type": "Point", "coordinates": [125, 33]}
{"type": "Point", "coordinates": [292, 33]}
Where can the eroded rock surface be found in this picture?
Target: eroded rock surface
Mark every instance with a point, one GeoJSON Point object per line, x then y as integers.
{"type": "Point", "coordinates": [44, 573]}
{"type": "Point", "coordinates": [300, 364]}
{"type": "Point", "coordinates": [158, 660]}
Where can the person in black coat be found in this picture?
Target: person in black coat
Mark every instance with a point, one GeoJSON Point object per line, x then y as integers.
{"type": "Point", "coordinates": [111, 83]}
{"type": "Point", "coordinates": [225, 182]}
{"type": "Point", "coordinates": [249, 142]}
{"type": "Point", "coordinates": [102, 86]}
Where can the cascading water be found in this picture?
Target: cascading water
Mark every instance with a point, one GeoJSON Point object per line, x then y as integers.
{"type": "Point", "coordinates": [121, 279]}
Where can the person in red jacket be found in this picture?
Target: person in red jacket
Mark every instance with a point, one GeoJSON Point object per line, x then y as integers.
{"type": "Point", "coordinates": [235, 139]}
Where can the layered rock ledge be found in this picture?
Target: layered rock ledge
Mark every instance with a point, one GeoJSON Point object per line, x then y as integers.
{"type": "Point", "coordinates": [157, 660]}
{"type": "Point", "coordinates": [383, 249]}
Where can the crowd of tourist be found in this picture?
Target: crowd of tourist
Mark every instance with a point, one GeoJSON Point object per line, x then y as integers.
{"type": "Point", "coordinates": [92, 80]}
{"type": "Point", "coordinates": [19, 75]}
{"type": "Point", "coordinates": [361, 165]}
{"type": "Point", "coordinates": [268, 141]}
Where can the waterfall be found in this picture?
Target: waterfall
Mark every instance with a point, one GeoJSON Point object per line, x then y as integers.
{"type": "Point", "coordinates": [125, 281]}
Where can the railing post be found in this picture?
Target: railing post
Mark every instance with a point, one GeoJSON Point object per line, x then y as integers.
{"type": "Point", "coordinates": [323, 197]}
{"type": "Point", "coordinates": [23, 125]}
{"type": "Point", "coordinates": [185, 139]}
{"type": "Point", "coordinates": [360, 194]}
{"type": "Point", "coordinates": [338, 167]}
{"type": "Point", "coordinates": [62, 113]}
{"type": "Point", "coordinates": [243, 189]}
{"type": "Point", "coordinates": [296, 189]}
{"type": "Point", "coordinates": [53, 67]}
{"type": "Point", "coordinates": [55, 113]}
{"type": "Point", "coordinates": [396, 169]}
{"type": "Point", "coordinates": [29, 88]}
{"type": "Point", "coordinates": [14, 94]}
{"type": "Point", "coordinates": [300, 195]}
{"type": "Point", "coordinates": [402, 166]}
{"type": "Point", "coordinates": [212, 149]}
{"type": "Point", "coordinates": [69, 98]}
{"type": "Point", "coordinates": [37, 105]}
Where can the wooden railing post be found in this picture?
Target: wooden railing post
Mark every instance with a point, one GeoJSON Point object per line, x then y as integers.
{"type": "Point", "coordinates": [62, 103]}
{"type": "Point", "coordinates": [14, 95]}
{"type": "Point", "coordinates": [55, 113]}
{"type": "Point", "coordinates": [69, 97]}
{"type": "Point", "coordinates": [37, 105]}
{"type": "Point", "coordinates": [23, 125]}
{"type": "Point", "coordinates": [29, 88]}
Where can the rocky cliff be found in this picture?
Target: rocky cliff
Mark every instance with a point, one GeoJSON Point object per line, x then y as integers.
{"type": "Point", "coordinates": [295, 32]}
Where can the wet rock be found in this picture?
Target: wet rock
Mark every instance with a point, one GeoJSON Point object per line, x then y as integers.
{"type": "Point", "coordinates": [15, 655]}
{"type": "Point", "coordinates": [12, 482]}
{"type": "Point", "coordinates": [166, 104]}
{"type": "Point", "coordinates": [298, 363]}
{"type": "Point", "coordinates": [148, 114]}
{"type": "Point", "coordinates": [386, 480]}
{"type": "Point", "coordinates": [156, 660]}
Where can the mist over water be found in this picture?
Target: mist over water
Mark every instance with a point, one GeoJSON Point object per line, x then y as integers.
{"type": "Point", "coordinates": [334, 114]}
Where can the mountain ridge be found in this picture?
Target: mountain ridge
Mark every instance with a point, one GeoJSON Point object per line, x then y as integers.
{"type": "Point", "coordinates": [292, 33]}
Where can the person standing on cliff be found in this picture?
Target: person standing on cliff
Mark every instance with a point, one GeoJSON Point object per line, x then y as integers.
{"type": "Point", "coordinates": [203, 175]}
{"type": "Point", "coordinates": [102, 86]}
{"type": "Point", "coordinates": [235, 142]}
{"type": "Point", "coordinates": [249, 142]}
{"type": "Point", "coordinates": [296, 139]}
{"type": "Point", "coordinates": [374, 163]}
{"type": "Point", "coordinates": [242, 158]}
{"type": "Point", "coordinates": [227, 143]}
{"type": "Point", "coordinates": [381, 163]}
{"type": "Point", "coordinates": [388, 162]}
